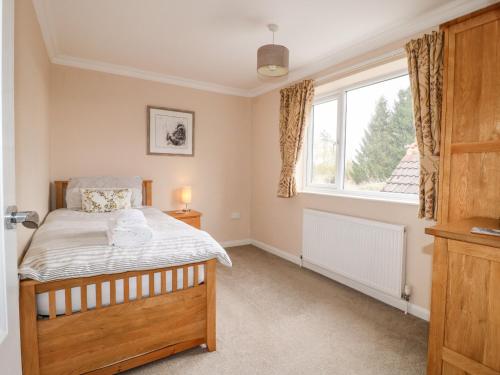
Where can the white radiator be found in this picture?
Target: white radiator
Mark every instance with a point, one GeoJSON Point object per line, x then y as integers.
{"type": "Point", "coordinates": [366, 255]}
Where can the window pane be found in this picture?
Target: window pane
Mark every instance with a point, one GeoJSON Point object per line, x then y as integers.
{"type": "Point", "coordinates": [380, 151]}
{"type": "Point", "coordinates": [324, 147]}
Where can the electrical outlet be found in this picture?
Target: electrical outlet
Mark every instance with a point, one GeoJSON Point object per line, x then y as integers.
{"type": "Point", "coordinates": [235, 216]}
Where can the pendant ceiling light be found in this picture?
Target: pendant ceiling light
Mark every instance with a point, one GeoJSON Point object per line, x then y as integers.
{"type": "Point", "coordinates": [272, 59]}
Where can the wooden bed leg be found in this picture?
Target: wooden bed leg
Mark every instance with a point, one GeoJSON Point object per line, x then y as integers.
{"type": "Point", "coordinates": [29, 329]}
{"type": "Point", "coordinates": [210, 280]}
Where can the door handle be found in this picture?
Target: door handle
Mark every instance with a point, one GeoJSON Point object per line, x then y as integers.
{"type": "Point", "coordinates": [29, 219]}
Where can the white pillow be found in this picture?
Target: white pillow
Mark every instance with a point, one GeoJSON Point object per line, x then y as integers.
{"type": "Point", "coordinates": [73, 195]}
{"type": "Point", "coordinates": [105, 200]}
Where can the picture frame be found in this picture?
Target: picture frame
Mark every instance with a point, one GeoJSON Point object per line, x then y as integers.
{"type": "Point", "coordinates": [170, 131]}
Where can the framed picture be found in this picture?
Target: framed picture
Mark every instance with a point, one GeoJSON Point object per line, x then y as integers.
{"type": "Point", "coordinates": [170, 131]}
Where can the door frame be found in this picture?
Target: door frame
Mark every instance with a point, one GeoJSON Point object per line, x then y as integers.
{"type": "Point", "coordinates": [10, 348]}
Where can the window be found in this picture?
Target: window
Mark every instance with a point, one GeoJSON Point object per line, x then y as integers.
{"type": "Point", "coordinates": [324, 149]}
{"type": "Point", "coordinates": [361, 141]}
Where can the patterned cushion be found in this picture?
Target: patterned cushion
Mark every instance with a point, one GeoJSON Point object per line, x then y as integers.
{"type": "Point", "coordinates": [105, 200]}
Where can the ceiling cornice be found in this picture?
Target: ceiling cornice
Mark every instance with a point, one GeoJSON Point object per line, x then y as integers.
{"type": "Point", "coordinates": [47, 35]}
{"type": "Point", "coordinates": [56, 57]}
{"type": "Point", "coordinates": [393, 33]}
{"type": "Point", "coordinates": [146, 75]}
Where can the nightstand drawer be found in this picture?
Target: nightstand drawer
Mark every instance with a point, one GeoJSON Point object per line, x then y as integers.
{"type": "Point", "coordinates": [193, 221]}
{"type": "Point", "coordinates": [190, 217]}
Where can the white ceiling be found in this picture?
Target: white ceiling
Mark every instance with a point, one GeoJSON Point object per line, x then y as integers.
{"type": "Point", "coordinates": [211, 44]}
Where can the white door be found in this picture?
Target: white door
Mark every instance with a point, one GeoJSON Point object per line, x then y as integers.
{"type": "Point", "coordinates": [10, 350]}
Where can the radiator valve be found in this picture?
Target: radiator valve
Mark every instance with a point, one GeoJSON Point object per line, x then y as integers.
{"type": "Point", "coordinates": [407, 293]}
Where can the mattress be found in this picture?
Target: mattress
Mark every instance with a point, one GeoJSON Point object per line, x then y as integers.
{"type": "Point", "coordinates": [43, 298]}
{"type": "Point", "coordinates": [73, 244]}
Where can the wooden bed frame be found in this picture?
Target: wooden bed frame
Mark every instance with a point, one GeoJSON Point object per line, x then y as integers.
{"type": "Point", "coordinates": [119, 336]}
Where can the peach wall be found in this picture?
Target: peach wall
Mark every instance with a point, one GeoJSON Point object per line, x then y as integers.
{"type": "Point", "coordinates": [31, 100]}
{"type": "Point", "coordinates": [98, 126]}
{"type": "Point", "coordinates": [278, 221]}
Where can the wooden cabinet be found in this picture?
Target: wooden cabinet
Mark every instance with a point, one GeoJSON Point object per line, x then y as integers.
{"type": "Point", "coordinates": [464, 332]}
{"type": "Point", "coordinates": [470, 131]}
{"type": "Point", "coordinates": [465, 318]}
{"type": "Point", "coordinates": [191, 217]}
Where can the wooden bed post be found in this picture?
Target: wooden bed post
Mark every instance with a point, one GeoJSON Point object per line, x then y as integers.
{"type": "Point", "coordinates": [148, 192]}
{"type": "Point", "coordinates": [29, 329]}
{"type": "Point", "coordinates": [211, 329]}
{"type": "Point", "coordinates": [60, 193]}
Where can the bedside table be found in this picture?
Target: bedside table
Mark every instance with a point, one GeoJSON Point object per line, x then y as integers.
{"type": "Point", "coordinates": [191, 217]}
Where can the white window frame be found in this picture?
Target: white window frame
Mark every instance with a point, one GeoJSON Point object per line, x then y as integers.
{"type": "Point", "coordinates": [309, 160]}
{"type": "Point", "coordinates": [337, 189]}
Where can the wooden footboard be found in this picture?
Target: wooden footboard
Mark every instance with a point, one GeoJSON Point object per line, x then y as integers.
{"type": "Point", "coordinates": [119, 336]}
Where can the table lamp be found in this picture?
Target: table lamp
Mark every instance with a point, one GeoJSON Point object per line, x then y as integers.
{"type": "Point", "coordinates": [186, 197]}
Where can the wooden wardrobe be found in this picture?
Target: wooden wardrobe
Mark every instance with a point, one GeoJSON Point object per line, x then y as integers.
{"type": "Point", "coordinates": [464, 334]}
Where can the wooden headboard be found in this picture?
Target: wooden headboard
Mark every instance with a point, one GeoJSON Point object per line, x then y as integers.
{"type": "Point", "coordinates": [147, 193]}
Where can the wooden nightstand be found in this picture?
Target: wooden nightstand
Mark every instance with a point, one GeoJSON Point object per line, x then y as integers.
{"type": "Point", "coordinates": [191, 217]}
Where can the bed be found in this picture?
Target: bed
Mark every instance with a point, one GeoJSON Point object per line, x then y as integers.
{"type": "Point", "coordinates": [108, 321]}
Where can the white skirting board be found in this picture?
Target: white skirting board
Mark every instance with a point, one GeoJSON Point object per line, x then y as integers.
{"type": "Point", "coordinates": [280, 253]}
{"type": "Point", "coordinates": [413, 309]}
{"type": "Point", "coordinates": [233, 243]}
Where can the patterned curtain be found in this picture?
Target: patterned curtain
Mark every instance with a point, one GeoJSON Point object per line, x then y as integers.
{"type": "Point", "coordinates": [295, 106]}
{"type": "Point", "coordinates": [425, 65]}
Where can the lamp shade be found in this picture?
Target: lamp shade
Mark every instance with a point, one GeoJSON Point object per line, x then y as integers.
{"type": "Point", "coordinates": [272, 60]}
{"type": "Point", "coordinates": [186, 194]}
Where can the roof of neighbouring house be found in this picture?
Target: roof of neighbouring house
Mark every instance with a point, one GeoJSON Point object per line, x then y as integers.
{"type": "Point", "coordinates": [405, 177]}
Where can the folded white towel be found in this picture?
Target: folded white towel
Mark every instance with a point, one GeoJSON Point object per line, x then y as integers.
{"type": "Point", "coordinates": [131, 236]}
{"type": "Point", "coordinates": [129, 228]}
{"type": "Point", "coordinates": [130, 217]}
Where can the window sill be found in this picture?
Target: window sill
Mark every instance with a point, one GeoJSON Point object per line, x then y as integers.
{"type": "Point", "coordinates": [359, 195]}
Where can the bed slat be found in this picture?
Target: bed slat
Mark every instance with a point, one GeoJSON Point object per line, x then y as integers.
{"type": "Point", "coordinates": [163, 282]}
{"type": "Point", "coordinates": [83, 295]}
{"type": "Point", "coordinates": [195, 275]}
{"type": "Point", "coordinates": [52, 304]}
{"type": "Point", "coordinates": [138, 284]}
{"type": "Point", "coordinates": [67, 300]}
{"type": "Point", "coordinates": [98, 295]}
{"type": "Point", "coordinates": [151, 284]}
{"type": "Point", "coordinates": [112, 292]}
{"type": "Point", "coordinates": [174, 279]}
{"type": "Point", "coordinates": [126, 291]}
{"type": "Point", "coordinates": [185, 277]}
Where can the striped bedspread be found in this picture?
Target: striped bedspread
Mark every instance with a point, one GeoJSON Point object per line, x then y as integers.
{"type": "Point", "coordinates": [72, 244]}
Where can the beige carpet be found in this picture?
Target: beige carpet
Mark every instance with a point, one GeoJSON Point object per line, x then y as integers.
{"type": "Point", "coordinates": [275, 318]}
